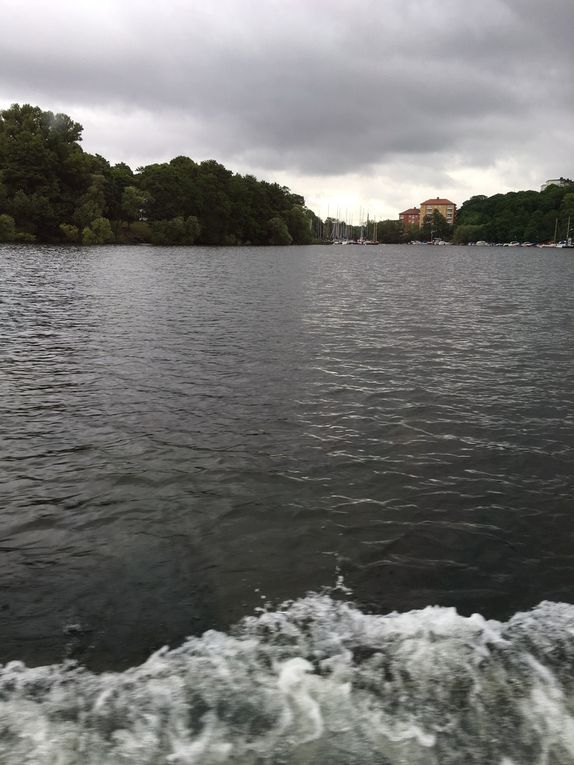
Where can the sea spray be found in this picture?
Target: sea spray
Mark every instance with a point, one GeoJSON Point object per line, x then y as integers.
{"type": "Point", "coordinates": [315, 681]}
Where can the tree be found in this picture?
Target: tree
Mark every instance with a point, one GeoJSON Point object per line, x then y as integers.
{"type": "Point", "coordinates": [192, 229]}
{"type": "Point", "coordinates": [69, 232]}
{"type": "Point", "coordinates": [98, 232]}
{"type": "Point", "coordinates": [534, 229]}
{"type": "Point", "coordinates": [133, 201]}
{"type": "Point", "coordinates": [468, 233]}
{"type": "Point", "coordinates": [177, 231]}
{"type": "Point", "coordinates": [4, 201]}
{"type": "Point", "coordinates": [161, 186]}
{"type": "Point", "coordinates": [39, 154]}
{"type": "Point", "coordinates": [435, 226]}
{"type": "Point", "coordinates": [299, 225]}
{"type": "Point", "coordinates": [118, 178]}
{"type": "Point", "coordinates": [102, 230]}
{"type": "Point", "coordinates": [391, 232]}
{"type": "Point", "coordinates": [34, 213]}
{"type": "Point", "coordinates": [7, 228]}
{"type": "Point", "coordinates": [88, 237]}
{"type": "Point", "coordinates": [567, 206]}
{"type": "Point", "coordinates": [278, 232]}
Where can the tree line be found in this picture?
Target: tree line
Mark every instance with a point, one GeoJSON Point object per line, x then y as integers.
{"type": "Point", "coordinates": [51, 190]}
{"type": "Point", "coordinates": [523, 216]}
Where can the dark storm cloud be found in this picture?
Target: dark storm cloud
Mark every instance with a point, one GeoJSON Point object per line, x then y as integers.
{"type": "Point", "coordinates": [314, 85]}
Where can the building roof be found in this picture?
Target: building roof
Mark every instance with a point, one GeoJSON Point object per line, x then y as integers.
{"type": "Point", "coordinates": [438, 201]}
{"type": "Point", "coordinates": [411, 211]}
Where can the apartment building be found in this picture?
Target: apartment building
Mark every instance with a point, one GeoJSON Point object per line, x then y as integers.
{"type": "Point", "coordinates": [444, 206]}
{"type": "Point", "coordinates": [410, 217]}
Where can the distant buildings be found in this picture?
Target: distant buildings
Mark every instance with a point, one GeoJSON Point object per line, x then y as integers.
{"type": "Point", "coordinates": [444, 206]}
{"type": "Point", "coordinates": [410, 217]}
{"type": "Point", "coordinates": [415, 216]}
{"type": "Point", "coordinates": [555, 182]}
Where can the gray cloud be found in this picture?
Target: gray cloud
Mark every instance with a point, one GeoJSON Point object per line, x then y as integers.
{"type": "Point", "coordinates": [307, 87]}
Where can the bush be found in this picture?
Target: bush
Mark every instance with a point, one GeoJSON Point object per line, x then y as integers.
{"type": "Point", "coordinates": [175, 231]}
{"type": "Point", "coordinates": [7, 228]}
{"type": "Point", "coordinates": [98, 232]}
{"type": "Point", "coordinates": [69, 232]}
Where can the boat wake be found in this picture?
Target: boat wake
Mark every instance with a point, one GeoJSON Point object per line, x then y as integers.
{"type": "Point", "coordinates": [315, 681]}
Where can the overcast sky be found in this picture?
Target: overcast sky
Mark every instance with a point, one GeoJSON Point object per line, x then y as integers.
{"type": "Point", "coordinates": [356, 104]}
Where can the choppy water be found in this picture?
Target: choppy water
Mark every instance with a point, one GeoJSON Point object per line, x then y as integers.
{"type": "Point", "coordinates": [316, 682]}
{"type": "Point", "coordinates": [187, 434]}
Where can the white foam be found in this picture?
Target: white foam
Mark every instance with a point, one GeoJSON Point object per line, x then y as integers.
{"type": "Point", "coordinates": [316, 681]}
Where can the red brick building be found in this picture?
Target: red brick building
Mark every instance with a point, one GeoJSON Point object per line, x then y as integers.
{"type": "Point", "coordinates": [410, 217]}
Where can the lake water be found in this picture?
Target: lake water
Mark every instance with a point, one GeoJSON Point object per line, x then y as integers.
{"type": "Point", "coordinates": [190, 437]}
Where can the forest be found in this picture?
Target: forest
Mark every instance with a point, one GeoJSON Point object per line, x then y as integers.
{"type": "Point", "coordinates": [522, 216]}
{"type": "Point", "coordinates": [53, 191]}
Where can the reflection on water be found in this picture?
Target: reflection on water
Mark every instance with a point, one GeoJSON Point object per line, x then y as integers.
{"type": "Point", "coordinates": [189, 432]}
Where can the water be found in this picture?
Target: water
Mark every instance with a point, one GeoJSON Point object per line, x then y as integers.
{"type": "Point", "coordinates": [318, 682]}
{"type": "Point", "coordinates": [189, 434]}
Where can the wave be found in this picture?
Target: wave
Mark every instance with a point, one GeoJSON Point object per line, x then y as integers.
{"type": "Point", "coordinates": [315, 681]}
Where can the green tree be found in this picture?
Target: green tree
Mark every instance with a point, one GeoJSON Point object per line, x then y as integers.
{"type": "Point", "coordinates": [92, 203]}
{"type": "Point", "coordinates": [102, 230]}
{"type": "Point", "coordinates": [435, 226]}
{"type": "Point", "coordinates": [534, 229]}
{"type": "Point", "coordinates": [468, 233]}
{"type": "Point", "coordinates": [39, 156]}
{"type": "Point", "coordinates": [567, 206]}
{"type": "Point", "coordinates": [4, 200]}
{"type": "Point", "coordinates": [89, 237]}
{"type": "Point", "coordinates": [177, 231]}
{"type": "Point", "coordinates": [161, 186]}
{"type": "Point", "coordinates": [119, 177]}
{"type": "Point", "coordinates": [391, 232]}
{"type": "Point", "coordinates": [34, 213]}
{"type": "Point", "coordinates": [7, 228]}
{"type": "Point", "coordinates": [133, 201]}
{"type": "Point", "coordinates": [98, 232]}
{"type": "Point", "coordinates": [70, 233]}
{"type": "Point", "coordinates": [299, 225]}
{"type": "Point", "coordinates": [87, 212]}
{"type": "Point", "coordinates": [278, 232]}
{"type": "Point", "coordinates": [192, 229]}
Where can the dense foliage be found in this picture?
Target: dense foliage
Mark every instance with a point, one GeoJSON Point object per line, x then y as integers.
{"type": "Point", "coordinates": [517, 216]}
{"type": "Point", "coordinates": [53, 191]}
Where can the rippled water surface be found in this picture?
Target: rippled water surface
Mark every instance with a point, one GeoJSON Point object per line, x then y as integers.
{"type": "Point", "coordinates": [186, 434]}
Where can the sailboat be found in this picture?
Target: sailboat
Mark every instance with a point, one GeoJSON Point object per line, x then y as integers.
{"type": "Point", "coordinates": [567, 242]}
{"type": "Point", "coordinates": [569, 239]}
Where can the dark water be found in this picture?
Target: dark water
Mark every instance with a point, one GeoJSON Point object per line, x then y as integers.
{"type": "Point", "coordinates": [188, 434]}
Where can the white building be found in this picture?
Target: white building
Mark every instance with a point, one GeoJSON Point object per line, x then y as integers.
{"type": "Point", "coordinates": [554, 182]}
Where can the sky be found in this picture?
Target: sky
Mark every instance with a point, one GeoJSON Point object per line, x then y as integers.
{"type": "Point", "coordinates": [362, 106]}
